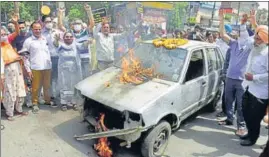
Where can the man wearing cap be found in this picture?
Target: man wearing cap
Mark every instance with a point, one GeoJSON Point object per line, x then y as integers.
{"type": "Point", "coordinates": [239, 51]}
{"type": "Point", "coordinates": [255, 99]}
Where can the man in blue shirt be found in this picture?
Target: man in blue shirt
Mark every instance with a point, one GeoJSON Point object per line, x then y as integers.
{"type": "Point", "coordinates": [239, 52]}
{"type": "Point", "coordinates": [19, 40]}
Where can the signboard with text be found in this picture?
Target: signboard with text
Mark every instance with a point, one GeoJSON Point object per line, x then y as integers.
{"type": "Point", "coordinates": [98, 14]}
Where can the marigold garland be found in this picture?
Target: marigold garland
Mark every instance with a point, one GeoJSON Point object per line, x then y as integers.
{"type": "Point", "coordinates": [169, 43]}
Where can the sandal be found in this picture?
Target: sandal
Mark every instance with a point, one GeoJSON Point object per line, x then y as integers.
{"type": "Point", "coordinates": [241, 133]}
{"type": "Point", "coordinates": [75, 107]}
{"type": "Point", "coordinates": [21, 113]}
{"type": "Point", "coordinates": [225, 122]}
{"type": "Point", "coordinates": [10, 118]}
{"type": "Point", "coordinates": [64, 108]}
{"type": "Point", "coordinates": [35, 109]}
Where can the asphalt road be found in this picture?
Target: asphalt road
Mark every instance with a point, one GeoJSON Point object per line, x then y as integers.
{"type": "Point", "coordinates": [50, 134]}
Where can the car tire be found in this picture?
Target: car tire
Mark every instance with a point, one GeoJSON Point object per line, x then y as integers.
{"type": "Point", "coordinates": [212, 106]}
{"type": "Point", "coordinates": [156, 140]}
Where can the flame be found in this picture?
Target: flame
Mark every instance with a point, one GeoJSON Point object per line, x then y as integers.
{"type": "Point", "coordinates": [132, 71]}
{"type": "Point", "coordinates": [102, 147]}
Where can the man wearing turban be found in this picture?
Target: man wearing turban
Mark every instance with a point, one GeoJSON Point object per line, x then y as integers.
{"type": "Point", "coordinates": [255, 98]}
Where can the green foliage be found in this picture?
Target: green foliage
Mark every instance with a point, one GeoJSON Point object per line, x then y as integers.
{"type": "Point", "coordinates": [28, 10]}
{"type": "Point", "coordinates": [76, 11]}
{"type": "Point", "coordinates": [176, 16]}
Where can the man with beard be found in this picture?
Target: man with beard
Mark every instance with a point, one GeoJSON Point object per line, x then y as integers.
{"type": "Point", "coordinates": [255, 98]}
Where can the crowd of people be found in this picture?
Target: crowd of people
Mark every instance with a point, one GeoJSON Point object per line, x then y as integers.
{"type": "Point", "coordinates": [37, 60]}
{"type": "Point", "coordinates": [246, 77]}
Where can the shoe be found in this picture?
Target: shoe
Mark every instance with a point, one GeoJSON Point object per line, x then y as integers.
{"type": "Point", "coordinates": [64, 108]}
{"type": "Point", "coordinates": [10, 118]}
{"type": "Point", "coordinates": [241, 133]}
{"type": "Point", "coordinates": [225, 122]}
{"type": "Point", "coordinates": [221, 114]}
{"type": "Point", "coordinates": [21, 113]}
{"type": "Point", "coordinates": [75, 107]}
{"type": "Point", "coordinates": [51, 104]}
{"type": "Point", "coordinates": [247, 142]}
{"type": "Point", "coordinates": [243, 137]}
{"type": "Point", "coordinates": [35, 109]}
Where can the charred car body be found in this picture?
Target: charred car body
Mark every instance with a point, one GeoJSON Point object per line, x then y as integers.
{"type": "Point", "coordinates": [191, 79]}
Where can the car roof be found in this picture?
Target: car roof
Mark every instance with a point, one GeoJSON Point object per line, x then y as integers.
{"type": "Point", "coordinates": [192, 44]}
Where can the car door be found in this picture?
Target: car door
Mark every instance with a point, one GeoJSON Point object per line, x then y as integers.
{"type": "Point", "coordinates": [194, 84]}
{"type": "Point", "coordinates": [212, 65]}
{"type": "Point", "coordinates": [214, 71]}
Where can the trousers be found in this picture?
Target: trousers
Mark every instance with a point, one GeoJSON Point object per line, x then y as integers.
{"type": "Point", "coordinates": [254, 109]}
{"type": "Point", "coordinates": [41, 78]}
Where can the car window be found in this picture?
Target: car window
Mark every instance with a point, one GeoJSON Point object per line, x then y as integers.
{"type": "Point", "coordinates": [196, 66]}
{"type": "Point", "coordinates": [212, 59]}
{"type": "Point", "coordinates": [167, 64]}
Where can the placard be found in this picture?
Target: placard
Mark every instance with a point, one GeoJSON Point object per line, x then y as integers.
{"type": "Point", "coordinates": [98, 14]}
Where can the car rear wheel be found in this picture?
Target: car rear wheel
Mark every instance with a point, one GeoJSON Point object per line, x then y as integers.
{"type": "Point", "coordinates": [156, 140]}
{"type": "Point", "coordinates": [212, 106]}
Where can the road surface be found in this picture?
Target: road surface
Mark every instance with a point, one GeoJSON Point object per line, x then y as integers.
{"type": "Point", "coordinates": [50, 134]}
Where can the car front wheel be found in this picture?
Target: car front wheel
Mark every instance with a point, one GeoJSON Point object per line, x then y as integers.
{"type": "Point", "coordinates": [156, 140]}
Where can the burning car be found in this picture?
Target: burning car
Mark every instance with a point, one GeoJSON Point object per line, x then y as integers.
{"type": "Point", "coordinates": [149, 92]}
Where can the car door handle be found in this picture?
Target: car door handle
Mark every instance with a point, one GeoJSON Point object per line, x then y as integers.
{"type": "Point", "coordinates": [203, 83]}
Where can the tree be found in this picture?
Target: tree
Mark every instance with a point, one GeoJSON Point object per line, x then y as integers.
{"type": "Point", "coordinates": [27, 10]}
{"type": "Point", "coordinates": [76, 11]}
{"type": "Point", "coordinates": [262, 16]}
{"type": "Point", "coordinates": [175, 17]}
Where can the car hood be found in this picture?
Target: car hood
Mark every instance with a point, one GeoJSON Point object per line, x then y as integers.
{"type": "Point", "coordinates": [134, 98]}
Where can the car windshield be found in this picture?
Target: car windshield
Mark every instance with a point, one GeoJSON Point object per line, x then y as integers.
{"type": "Point", "coordinates": [168, 63]}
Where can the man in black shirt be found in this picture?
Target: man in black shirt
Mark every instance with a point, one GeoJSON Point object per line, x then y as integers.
{"type": "Point", "coordinates": [19, 40]}
{"type": "Point", "coordinates": [196, 34]}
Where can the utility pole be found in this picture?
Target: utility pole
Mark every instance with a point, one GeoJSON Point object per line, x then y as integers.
{"type": "Point", "coordinates": [212, 17]}
{"type": "Point", "coordinates": [238, 12]}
